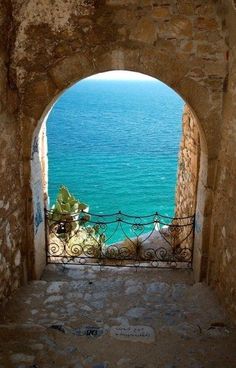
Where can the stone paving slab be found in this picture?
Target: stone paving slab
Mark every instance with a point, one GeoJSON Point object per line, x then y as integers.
{"type": "Point", "coordinates": [84, 317]}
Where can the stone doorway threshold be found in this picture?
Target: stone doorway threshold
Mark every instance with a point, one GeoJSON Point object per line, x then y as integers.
{"type": "Point", "coordinates": [83, 317]}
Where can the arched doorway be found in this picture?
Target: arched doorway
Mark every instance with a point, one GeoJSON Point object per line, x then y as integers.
{"type": "Point", "coordinates": [39, 188]}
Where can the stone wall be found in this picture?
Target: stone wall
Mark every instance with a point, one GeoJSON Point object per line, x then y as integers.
{"type": "Point", "coordinates": [180, 42]}
{"type": "Point", "coordinates": [222, 263]}
{"type": "Point", "coordinates": [188, 44]}
{"type": "Point", "coordinates": [12, 206]}
{"type": "Point", "coordinates": [188, 170]}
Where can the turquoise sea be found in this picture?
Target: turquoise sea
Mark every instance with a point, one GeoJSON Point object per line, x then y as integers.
{"type": "Point", "coordinates": [115, 145]}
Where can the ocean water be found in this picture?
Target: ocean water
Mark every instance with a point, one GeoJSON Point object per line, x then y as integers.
{"type": "Point", "coordinates": [115, 145]}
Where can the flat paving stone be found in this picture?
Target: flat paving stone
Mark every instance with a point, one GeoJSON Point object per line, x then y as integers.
{"type": "Point", "coordinates": [144, 334]}
{"type": "Point", "coordinates": [136, 312]}
{"type": "Point", "coordinates": [83, 317]}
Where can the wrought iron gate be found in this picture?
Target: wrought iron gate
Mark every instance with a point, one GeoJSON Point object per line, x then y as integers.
{"type": "Point", "coordinates": [119, 240]}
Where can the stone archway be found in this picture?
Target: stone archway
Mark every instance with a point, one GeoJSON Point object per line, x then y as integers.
{"type": "Point", "coordinates": [39, 193]}
{"type": "Point", "coordinates": [78, 40]}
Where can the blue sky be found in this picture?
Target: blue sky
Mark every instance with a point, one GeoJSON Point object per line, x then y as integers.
{"type": "Point", "coordinates": [121, 75]}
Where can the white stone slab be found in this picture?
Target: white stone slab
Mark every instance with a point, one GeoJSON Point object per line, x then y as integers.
{"type": "Point", "coordinates": [133, 333]}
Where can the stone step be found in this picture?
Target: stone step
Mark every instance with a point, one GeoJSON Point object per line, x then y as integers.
{"type": "Point", "coordinates": [83, 317]}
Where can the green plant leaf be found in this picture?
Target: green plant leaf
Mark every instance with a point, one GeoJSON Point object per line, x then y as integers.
{"type": "Point", "coordinates": [65, 194]}
{"type": "Point", "coordinates": [83, 206]}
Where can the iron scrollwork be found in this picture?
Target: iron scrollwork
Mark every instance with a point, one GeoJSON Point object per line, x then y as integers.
{"type": "Point", "coordinates": [145, 241]}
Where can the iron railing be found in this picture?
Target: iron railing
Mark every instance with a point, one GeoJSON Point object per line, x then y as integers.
{"type": "Point", "coordinates": [119, 239]}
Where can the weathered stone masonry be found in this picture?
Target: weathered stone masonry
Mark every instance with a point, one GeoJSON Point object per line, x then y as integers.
{"type": "Point", "coordinates": [188, 44]}
{"type": "Point", "coordinates": [12, 204]}
{"type": "Point", "coordinates": [222, 262]}
{"type": "Point", "coordinates": [188, 171]}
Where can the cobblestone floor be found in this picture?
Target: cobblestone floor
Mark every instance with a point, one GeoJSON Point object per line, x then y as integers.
{"type": "Point", "coordinates": [84, 317]}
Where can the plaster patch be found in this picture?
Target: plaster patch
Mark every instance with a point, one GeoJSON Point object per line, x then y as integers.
{"type": "Point", "coordinates": [17, 258]}
{"type": "Point", "coordinates": [8, 235]}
